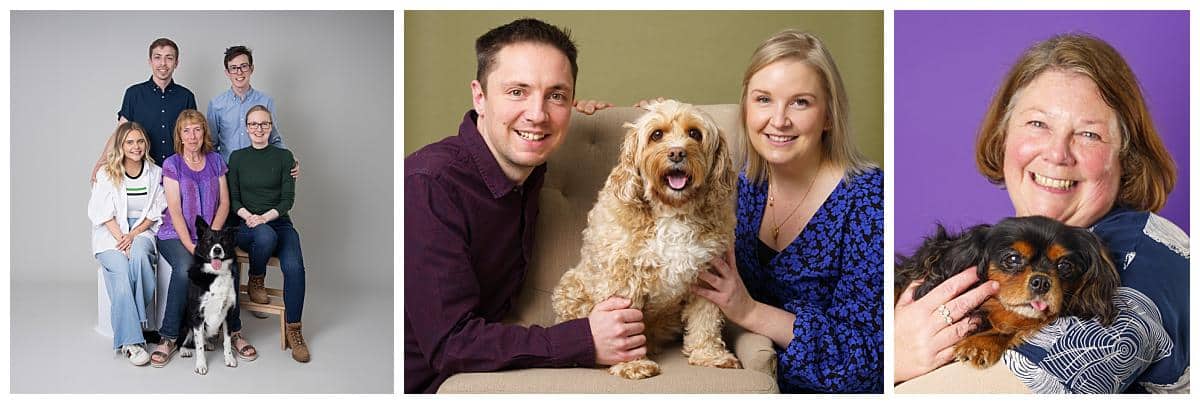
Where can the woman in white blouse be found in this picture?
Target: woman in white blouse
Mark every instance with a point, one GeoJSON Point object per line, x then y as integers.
{"type": "Point", "coordinates": [125, 210]}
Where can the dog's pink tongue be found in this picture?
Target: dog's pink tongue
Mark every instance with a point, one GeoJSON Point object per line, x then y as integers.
{"type": "Point", "coordinates": [677, 181]}
{"type": "Point", "coordinates": [1039, 305]}
{"type": "Point", "coordinates": [216, 264]}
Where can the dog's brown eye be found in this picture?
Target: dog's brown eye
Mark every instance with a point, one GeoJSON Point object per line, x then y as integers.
{"type": "Point", "coordinates": [695, 134]}
{"type": "Point", "coordinates": [656, 135]}
{"type": "Point", "coordinates": [1065, 266]}
{"type": "Point", "coordinates": [1012, 260]}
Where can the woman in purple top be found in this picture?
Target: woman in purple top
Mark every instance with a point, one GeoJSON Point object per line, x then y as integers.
{"type": "Point", "coordinates": [194, 182]}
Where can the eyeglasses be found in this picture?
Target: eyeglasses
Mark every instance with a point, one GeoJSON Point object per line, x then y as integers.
{"type": "Point", "coordinates": [258, 125]}
{"type": "Point", "coordinates": [244, 67]}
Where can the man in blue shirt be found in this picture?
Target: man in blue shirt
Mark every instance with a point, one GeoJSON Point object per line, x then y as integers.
{"type": "Point", "coordinates": [155, 103]}
{"type": "Point", "coordinates": [227, 112]}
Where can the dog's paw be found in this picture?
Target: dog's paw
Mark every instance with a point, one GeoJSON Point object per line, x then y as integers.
{"type": "Point", "coordinates": [185, 352]}
{"type": "Point", "coordinates": [202, 370]}
{"type": "Point", "coordinates": [230, 360]}
{"type": "Point", "coordinates": [714, 359]}
{"type": "Point", "coordinates": [634, 370]}
{"type": "Point", "coordinates": [976, 356]}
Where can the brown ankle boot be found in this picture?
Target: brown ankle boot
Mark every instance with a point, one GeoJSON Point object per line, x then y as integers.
{"type": "Point", "coordinates": [295, 340]}
{"type": "Point", "coordinates": [258, 293]}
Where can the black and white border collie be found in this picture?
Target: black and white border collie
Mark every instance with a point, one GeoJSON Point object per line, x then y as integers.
{"type": "Point", "coordinates": [212, 292]}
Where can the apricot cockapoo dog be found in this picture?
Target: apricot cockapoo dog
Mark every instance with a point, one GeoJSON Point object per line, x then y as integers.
{"type": "Point", "coordinates": [665, 211]}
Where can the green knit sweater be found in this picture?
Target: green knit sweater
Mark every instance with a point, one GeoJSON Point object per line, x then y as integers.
{"type": "Point", "coordinates": [260, 180]}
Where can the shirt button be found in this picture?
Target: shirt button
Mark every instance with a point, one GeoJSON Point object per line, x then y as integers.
{"type": "Point", "coordinates": [163, 110]}
{"type": "Point", "coordinates": [164, 126]}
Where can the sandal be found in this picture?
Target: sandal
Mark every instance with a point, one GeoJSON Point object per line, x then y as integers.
{"type": "Point", "coordinates": [159, 359]}
{"type": "Point", "coordinates": [247, 352]}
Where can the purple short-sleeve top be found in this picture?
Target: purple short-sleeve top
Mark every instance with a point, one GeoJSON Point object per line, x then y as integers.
{"type": "Point", "coordinates": [199, 192]}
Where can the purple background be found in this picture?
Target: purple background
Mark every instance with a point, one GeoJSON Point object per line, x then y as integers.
{"type": "Point", "coordinates": [948, 66]}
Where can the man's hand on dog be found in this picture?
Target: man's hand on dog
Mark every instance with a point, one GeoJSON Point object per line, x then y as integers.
{"type": "Point", "coordinates": [924, 341]}
{"type": "Point", "coordinates": [617, 331]}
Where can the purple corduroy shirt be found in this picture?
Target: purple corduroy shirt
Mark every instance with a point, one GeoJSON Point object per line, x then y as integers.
{"type": "Point", "coordinates": [468, 236]}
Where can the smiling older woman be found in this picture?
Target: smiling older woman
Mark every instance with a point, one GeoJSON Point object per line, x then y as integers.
{"type": "Point", "coordinates": [1069, 136]}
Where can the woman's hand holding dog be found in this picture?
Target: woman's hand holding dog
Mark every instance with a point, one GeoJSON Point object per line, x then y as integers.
{"type": "Point", "coordinates": [727, 291]}
{"type": "Point", "coordinates": [617, 331]}
{"type": "Point", "coordinates": [924, 340]}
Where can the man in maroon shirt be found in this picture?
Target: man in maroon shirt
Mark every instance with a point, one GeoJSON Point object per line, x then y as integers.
{"type": "Point", "coordinates": [470, 205]}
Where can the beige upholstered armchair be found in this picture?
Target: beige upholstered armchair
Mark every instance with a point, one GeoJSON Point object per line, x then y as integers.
{"type": "Point", "coordinates": [576, 173]}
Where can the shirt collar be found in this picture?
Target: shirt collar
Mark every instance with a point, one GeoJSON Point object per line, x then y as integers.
{"type": "Point", "coordinates": [249, 93]}
{"type": "Point", "coordinates": [170, 85]}
{"type": "Point", "coordinates": [485, 162]}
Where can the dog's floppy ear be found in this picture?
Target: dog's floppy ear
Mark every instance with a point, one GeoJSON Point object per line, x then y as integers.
{"type": "Point", "coordinates": [723, 176]}
{"type": "Point", "coordinates": [942, 256]}
{"type": "Point", "coordinates": [626, 178]}
{"type": "Point", "coordinates": [1098, 283]}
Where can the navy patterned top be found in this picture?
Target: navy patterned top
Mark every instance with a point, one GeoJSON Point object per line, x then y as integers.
{"type": "Point", "coordinates": [1145, 350]}
{"type": "Point", "coordinates": [831, 278]}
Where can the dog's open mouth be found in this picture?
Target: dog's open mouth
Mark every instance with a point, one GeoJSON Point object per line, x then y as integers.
{"type": "Point", "coordinates": [677, 179]}
{"type": "Point", "coordinates": [216, 264]}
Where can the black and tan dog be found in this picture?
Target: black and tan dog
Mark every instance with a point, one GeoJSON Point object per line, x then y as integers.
{"type": "Point", "coordinates": [211, 292]}
{"type": "Point", "coordinates": [1045, 269]}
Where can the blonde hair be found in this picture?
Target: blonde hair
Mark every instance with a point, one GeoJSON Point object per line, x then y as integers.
{"type": "Point", "coordinates": [791, 44]}
{"type": "Point", "coordinates": [114, 160]}
{"type": "Point", "coordinates": [1147, 171]}
{"type": "Point", "coordinates": [190, 116]}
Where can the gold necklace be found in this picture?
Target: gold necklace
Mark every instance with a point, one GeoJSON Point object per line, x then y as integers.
{"type": "Point", "coordinates": [774, 213]}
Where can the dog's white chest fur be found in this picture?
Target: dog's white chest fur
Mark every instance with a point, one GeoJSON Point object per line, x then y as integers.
{"type": "Point", "coordinates": [219, 298]}
{"type": "Point", "coordinates": [679, 254]}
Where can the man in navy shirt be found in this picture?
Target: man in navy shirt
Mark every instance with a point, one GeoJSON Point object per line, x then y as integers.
{"type": "Point", "coordinates": [155, 103]}
{"type": "Point", "coordinates": [470, 207]}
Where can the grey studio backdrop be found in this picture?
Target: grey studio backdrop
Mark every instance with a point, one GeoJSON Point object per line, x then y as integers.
{"type": "Point", "coordinates": [331, 74]}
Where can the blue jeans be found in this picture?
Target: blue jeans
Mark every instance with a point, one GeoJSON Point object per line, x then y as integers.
{"type": "Point", "coordinates": [180, 259]}
{"type": "Point", "coordinates": [277, 238]}
{"type": "Point", "coordinates": [129, 282]}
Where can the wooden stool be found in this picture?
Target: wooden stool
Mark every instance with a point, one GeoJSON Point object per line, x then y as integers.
{"type": "Point", "coordinates": [276, 305]}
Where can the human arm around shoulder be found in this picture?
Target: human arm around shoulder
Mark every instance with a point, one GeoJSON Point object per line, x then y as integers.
{"type": "Point", "coordinates": [214, 124]}
{"type": "Point", "coordinates": [275, 139]}
{"type": "Point", "coordinates": [108, 144]}
{"type": "Point", "coordinates": [442, 297]}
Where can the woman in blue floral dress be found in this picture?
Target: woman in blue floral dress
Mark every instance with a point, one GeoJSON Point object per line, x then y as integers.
{"type": "Point", "coordinates": [808, 271]}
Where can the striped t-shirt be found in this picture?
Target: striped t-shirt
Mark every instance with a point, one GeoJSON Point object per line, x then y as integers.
{"type": "Point", "coordinates": [137, 190]}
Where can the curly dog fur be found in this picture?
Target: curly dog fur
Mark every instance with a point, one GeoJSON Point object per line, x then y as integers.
{"type": "Point", "coordinates": [665, 211]}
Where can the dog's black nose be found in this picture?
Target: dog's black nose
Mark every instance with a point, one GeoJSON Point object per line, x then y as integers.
{"type": "Point", "coordinates": [1039, 284]}
{"type": "Point", "coordinates": [676, 154]}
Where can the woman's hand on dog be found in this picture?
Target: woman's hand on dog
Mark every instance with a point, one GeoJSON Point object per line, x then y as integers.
{"type": "Point", "coordinates": [725, 289]}
{"type": "Point", "coordinates": [722, 286]}
{"type": "Point", "coordinates": [924, 341]}
{"type": "Point", "coordinates": [617, 331]}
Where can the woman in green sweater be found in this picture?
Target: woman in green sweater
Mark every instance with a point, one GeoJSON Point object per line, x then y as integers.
{"type": "Point", "coordinates": [262, 191]}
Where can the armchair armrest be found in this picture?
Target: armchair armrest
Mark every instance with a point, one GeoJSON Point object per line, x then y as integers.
{"type": "Point", "coordinates": [756, 352]}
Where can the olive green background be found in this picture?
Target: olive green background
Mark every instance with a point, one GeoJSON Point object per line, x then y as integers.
{"type": "Point", "coordinates": [624, 56]}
